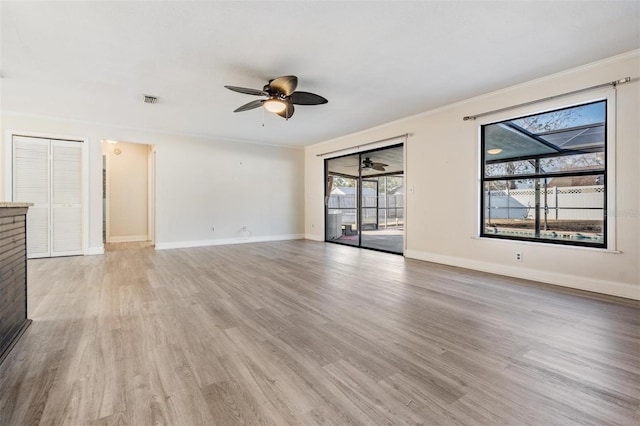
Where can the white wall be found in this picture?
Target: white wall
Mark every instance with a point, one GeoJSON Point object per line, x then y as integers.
{"type": "Point", "coordinates": [228, 186]}
{"type": "Point", "coordinates": [200, 183]}
{"type": "Point", "coordinates": [127, 174]}
{"type": "Point", "coordinates": [442, 159]}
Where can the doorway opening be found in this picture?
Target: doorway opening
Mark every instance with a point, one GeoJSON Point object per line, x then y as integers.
{"type": "Point", "coordinates": [128, 187]}
{"type": "Point", "coordinates": [365, 199]}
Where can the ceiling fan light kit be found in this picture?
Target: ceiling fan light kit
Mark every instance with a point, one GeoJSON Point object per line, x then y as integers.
{"type": "Point", "coordinates": [274, 105]}
{"type": "Point", "coordinates": [281, 96]}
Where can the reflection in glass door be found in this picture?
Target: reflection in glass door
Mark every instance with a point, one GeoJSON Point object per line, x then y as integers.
{"type": "Point", "coordinates": [364, 199]}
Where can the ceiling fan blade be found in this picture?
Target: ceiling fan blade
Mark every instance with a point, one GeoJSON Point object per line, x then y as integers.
{"type": "Point", "coordinates": [251, 105]}
{"type": "Point", "coordinates": [288, 112]}
{"type": "Point", "coordinates": [246, 90]}
{"type": "Point", "coordinates": [380, 164]}
{"type": "Point", "coordinates": [285, 85]}
{"type": "Point", "coordinates": [306, 98]}
{"type": "Point", "coordinates": [377, 166]}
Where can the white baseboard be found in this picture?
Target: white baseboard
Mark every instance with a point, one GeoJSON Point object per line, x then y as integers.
{"type": "Point", "coordinates": [128, 238]}
{"type": "Point", "coordinates": [313, 237]}
{"type": "Point", "coordinates": [92, 251]}
{"type": "Point", "coordinates": [226, 241]}
{"type": "Point", "coordinates": [612, 288]}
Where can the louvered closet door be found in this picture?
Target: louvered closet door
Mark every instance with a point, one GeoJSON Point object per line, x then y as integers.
{"type": "Point", "coordinates": [31, 183]}
{"type": "Point", "coordinates": [66, 198]}
{"type": "Point", "coordinates": [48, 173]}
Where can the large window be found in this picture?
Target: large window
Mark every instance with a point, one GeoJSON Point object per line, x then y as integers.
{"type": "Point", "coordinates": [544, 177]}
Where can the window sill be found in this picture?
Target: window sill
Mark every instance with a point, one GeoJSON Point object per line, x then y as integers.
{"type": "Point", "coordinates": [540, 244]}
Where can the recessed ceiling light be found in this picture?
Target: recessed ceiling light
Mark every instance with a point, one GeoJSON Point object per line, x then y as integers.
{"type": "Point", "coordinates": [494, 151]}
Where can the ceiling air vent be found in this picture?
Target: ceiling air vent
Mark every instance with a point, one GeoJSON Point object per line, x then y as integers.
{"type": "Point", "coordinates": [148, 99]}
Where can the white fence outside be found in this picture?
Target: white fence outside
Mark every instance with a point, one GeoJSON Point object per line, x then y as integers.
{"type": "Point", "coordinates": [390, 209]}
{"type": "Point", "coordinates": [564, 203]}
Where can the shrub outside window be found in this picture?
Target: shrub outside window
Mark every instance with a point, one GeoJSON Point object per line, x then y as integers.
{"type": "Point", "coordinates": [544, 177]}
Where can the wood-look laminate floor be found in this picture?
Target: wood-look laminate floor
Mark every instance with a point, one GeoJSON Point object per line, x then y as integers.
{"type": "Point", "coordinates": [302, 332]}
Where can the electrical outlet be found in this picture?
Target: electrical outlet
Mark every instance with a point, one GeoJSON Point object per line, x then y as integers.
{"type": "Point", "coordinates": [518, 256]}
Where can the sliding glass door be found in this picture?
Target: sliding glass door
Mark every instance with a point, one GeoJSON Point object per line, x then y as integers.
{"type": "Point", "coordinates": [383, 213]}
{"type": "Point", "coordinates": [342, 219]}
{"type": "Point", "coordinates": [364, 199]}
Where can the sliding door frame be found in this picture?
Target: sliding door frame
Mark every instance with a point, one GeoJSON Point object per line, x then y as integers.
{"type": "Point", "coordinates": [358, 193]}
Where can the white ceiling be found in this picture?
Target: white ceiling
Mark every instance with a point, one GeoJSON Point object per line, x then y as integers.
{"type": "Point", "coordinates": [374, 61]}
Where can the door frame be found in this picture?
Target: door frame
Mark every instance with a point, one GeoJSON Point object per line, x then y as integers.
{"type": "Point", "coordinates": [151, 194]}
{"type": "Point", "coordinates": [105, 195]}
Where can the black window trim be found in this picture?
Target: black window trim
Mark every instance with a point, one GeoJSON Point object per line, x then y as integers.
{"type": "Point", "coordinates": [533, 176]}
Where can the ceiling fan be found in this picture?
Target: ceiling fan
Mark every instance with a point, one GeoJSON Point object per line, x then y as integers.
{"type": "Point", "coordinates": [281, 96]}
{"type": "Point", "coordinates": [368, 164]}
